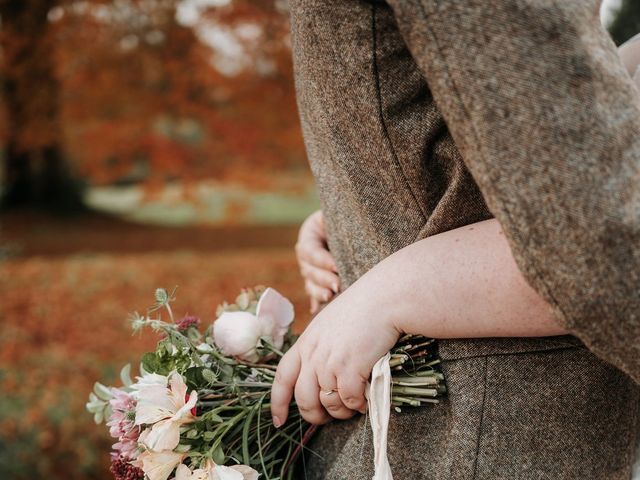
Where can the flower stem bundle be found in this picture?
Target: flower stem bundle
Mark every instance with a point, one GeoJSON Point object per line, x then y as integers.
{"type": "Point", "coordinates": [415, 375]}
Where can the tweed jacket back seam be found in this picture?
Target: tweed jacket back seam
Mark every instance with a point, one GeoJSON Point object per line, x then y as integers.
{"type": "Point", "coordinates": [383, 122]}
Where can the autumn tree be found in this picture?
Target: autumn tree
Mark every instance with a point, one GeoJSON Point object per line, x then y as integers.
{"type": "Point", "coordinates": [34, 167]}
{"type": "Point", "coordinates": [139, 91]}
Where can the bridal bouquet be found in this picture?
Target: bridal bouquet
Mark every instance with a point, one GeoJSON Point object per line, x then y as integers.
{"type": "Point", "coordinates": [199, 408]}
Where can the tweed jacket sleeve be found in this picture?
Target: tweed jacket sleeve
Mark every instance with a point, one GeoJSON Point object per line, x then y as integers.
{"type": "Point", "coordinates": [548, 122]}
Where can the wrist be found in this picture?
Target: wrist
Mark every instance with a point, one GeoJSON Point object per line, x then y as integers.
{"type": "Point", "coordinates": [386, 295]}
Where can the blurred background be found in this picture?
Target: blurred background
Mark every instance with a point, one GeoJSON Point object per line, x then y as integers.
{"type": "Point", "coordinates": [143, 143]}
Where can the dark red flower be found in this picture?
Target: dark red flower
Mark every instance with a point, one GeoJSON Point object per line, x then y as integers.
{"type": "Point", "coordinates": [194, 410]}
{"type": "Point", "coordinates": [188, 321]}
{"type": "Point", "coordinates": [123, 470]}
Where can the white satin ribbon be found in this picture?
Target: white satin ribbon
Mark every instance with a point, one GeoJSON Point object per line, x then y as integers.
{"type": "Point", "coordinates": [379, 400]}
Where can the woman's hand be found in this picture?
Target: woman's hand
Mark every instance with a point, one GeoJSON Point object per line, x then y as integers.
{"type": "Point", "coordinates": [328, 367]}
{"type": "Point", "coordinates": [316, 263]}
{"type": "Point", "coordinates": [463, 283]}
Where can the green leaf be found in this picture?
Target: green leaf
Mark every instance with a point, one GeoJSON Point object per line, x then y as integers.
{"type": "Point", "coordinates": [182, 448]}
{"type": "Point", "coordinates": [125, 375]}
{"type": "Point", "coordinates": [211, 417]}
{"type": "Point", "coordinates": [193, 377]}
{"type": "Point", "coordinates": [205, 348]}
{"type": "Point", "coordinates": [218, 456]}
{"type": "Point", "coordinates": [246, 457]}
{"type": "Point", "coordinates": [102, 392]}
{"type": "Point", "coordinates": [194, 335]}
{"type": "Point", "coordinates": [167, 346]}
{"type": "Point", "coordinates": [226, 371]}
{"type": "Point", "coordinates": [151, 363]}
{"type": "Point", "coordinates": [215, 418]}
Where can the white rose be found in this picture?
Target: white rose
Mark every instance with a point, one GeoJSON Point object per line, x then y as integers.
{"type": "Point", "coordinates": [238, 333]}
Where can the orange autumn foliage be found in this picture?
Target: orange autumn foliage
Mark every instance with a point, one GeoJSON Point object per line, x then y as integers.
{"type": "Point", "coordinates": [141, 94]}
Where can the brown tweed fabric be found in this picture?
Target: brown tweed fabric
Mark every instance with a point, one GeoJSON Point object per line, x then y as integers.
{"type": "Point", "coordinates": [417, 113]}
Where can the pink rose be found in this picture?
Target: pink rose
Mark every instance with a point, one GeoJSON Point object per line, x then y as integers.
{"type": "Point", "coordinates": [239, 333]}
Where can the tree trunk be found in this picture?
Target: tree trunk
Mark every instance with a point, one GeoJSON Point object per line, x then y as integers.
{"type": "Point", "coordinates": [35, 171]}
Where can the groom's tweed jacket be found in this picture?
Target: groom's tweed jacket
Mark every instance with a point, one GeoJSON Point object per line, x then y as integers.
{"type": "Point", "coordinates": [417, 113]}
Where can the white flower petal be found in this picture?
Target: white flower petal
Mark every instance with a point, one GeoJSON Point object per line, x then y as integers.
{"type": "Point", "coordinates": [183, 472]}
{"type": "Point", "coordinates": [150, 413]}
{"type": "Point", "coordinates": [184, 415]}
{"type": "Point", "coordinates": [226, 473]}
{"type": "Point", "coordinates": [150, 379]}
{"type": "Point", "coordinates": [157, 403]}
{"type": "Point", "coordinates": [200, 474]}
{"type": "Point", "coordinates": [178, 389]}
{"type": "Point", "coordinates": [247, 472]}
{"type": "Point", "coordinates": [237, 334]}
{"type": "Point", "coordinates": [164, 435]}
{"type": "Point", "coordinates": [154, 403]}
{"type": "Point", "coordinates": [275, 310]}
{"type": "Point", "coordinates": [159, 465]}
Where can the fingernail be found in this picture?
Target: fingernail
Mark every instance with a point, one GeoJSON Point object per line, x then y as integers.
{"type": "Point", "coordinates": [276, 422]}
{"type": "Point", "coordinates": [335, 287]}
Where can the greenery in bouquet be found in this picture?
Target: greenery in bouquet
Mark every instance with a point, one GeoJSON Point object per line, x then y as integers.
{"type": "Point", "coordinates": [200, 409]}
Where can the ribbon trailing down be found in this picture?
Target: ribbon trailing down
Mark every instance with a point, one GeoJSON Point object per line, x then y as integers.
{"type": "Point", "coordinates": [379, 400]}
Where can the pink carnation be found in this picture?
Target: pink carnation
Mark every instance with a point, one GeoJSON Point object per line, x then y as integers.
{"type": "Point", "coordinates": [122, 424]}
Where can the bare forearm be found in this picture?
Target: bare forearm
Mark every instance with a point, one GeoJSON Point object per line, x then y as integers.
{"type": "Point", "coordinates": [459, 284]}
{"type": "Point", "coordinates": [463, 283]}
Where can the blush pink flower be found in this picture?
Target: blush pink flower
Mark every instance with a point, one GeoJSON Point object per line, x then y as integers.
{"type": "Point", "coordinates": [122, 424]}
{"type": "Point", "coordinates": [239, 333]}
{"type": "Point", "coordinates": [159, 465]}
{"type": "Point", "coordinates": [164, 404]}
